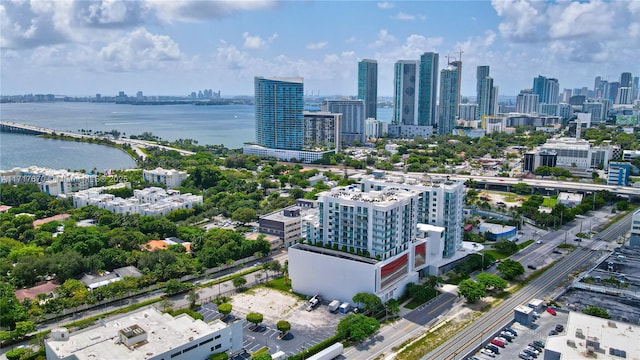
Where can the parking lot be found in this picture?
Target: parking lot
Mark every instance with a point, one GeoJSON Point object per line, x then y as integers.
{"type": "Point", "coordinates": [526, 335]}
{"type": "Point", "coordinates": [307, 327]}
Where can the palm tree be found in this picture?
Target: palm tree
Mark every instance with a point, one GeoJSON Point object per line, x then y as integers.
{"type": "Point", "coordinates": [193, 298]}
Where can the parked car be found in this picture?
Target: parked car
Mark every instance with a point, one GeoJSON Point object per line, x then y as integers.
{"type": "Point", "coordinates": [556, 252]}
{"type": "Point", "coordinates": [499, 343]}
{"type": "Point", "coordinates": [493, 348]}
{"type": "Point", "coordinates": [530, 353]}
{"type": "Point", "coordinates": [532, 349]}
{"type": "Point", "coordinates": [532, 267]}
{"type": "Point", "coordinates": [487, 352]}
{"type": "Point", "coordinates": [513, 332]}
{"type": "Point", "coordinates": [507, 336]}
{"type": "Point", "coordinates": [577, 239]}
{"type": "Point", "coordinates": [551, 311]}
{"type": "Point", "coordinates": [539, 343]}
{"type": "Point", "coordinates": [505, 341]}
{"type": "Point", "coordinates": [553, 332]}
{"type": "Point", "coordinates": [559, 328]}
{"type": "Point", "coordinates": [535, 346]}
{"type": "Point", "coordinates": [524, 356]}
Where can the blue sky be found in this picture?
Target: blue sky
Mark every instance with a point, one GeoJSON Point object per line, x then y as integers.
{"type": "Point", "coordinates": [175, 47]}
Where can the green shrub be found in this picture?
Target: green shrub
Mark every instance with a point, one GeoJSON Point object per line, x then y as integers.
{"type": "Point", "coordinates": [219, 356]}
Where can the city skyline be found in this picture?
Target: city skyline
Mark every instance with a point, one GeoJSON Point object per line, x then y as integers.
{"type": "Point", "coordinates": [167, 48]}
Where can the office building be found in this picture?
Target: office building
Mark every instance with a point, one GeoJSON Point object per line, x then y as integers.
{"type": "Point", "coordinates": [534, 159]}
{"type": "Point", "coordinates": [626, 80]}
{"type": "Point", "coordinates": [547, 89]}
{"type": "Point", "coordinates": [618, 174]}
{"type": "Point", "coordinates": [527, 102]}
{"type": "Point", "coordinates": [368, 87]}
{"type": "Point", "coordinates": [612, 90]}
{"type": "Point", "coordinates": [169, 178]}
{"type": "Point", "coordinates": [634, 238]}
{"type": "Point", "coordinates": [449, 97]}
{"type": "Point", "coordinates": [624, 95]}
{"type": "Point", "coordinates": [352, 126]}
{"type": "Point", "coordinates": [146, 334]}
{"type": "Point", "coordinates": [405, 110]}
{"type": "Point", "coordinates": [279, 103]}
{"type": "Point", "coordinates": [375, 129]}
{"type": "Point", "coordinates": [590, 337]}
{"type": "Point", "coordinates": [428, 89]}
{"type": "Point", "coordinates": [468, 111]}
{"type": "Point", "coordinates": [321, 130]}
{"type": "Point", "coordinates": [597, 108]}
{"type": "Point", "coordinates": [497, 123]}
{"type": "Point", "coordinates": [409, 131]}
{"type": "Point", "coordinates": [286, 224]}
{"type": "Point", "coordinates": [439, 204]}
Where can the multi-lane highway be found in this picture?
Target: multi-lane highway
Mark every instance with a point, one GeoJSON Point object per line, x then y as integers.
{"type": "Point", "coordinates": [467, 340]}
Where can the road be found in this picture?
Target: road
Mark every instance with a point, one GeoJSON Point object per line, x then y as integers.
{"type": "Point", "coordinates": [467, 340]}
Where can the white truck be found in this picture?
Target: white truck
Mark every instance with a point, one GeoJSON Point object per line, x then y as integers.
{"type": "Point", "coordinates": [329, 353]}
{"type": "Point", "coordinates": [334, 305]}
{"type": "Point", "coordinates": [313, 302]}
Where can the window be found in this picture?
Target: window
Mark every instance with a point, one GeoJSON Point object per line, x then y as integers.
{"type": "Point", "coordinates": [206, 341]}
{"type": "Point", "coordinates": [176, 354]}
{"type": "Point", "coordinates": [218, 346]}
{"type": "Point", "coordinates": [189, 348]}
{"type": "Point", "coordinates": [217, 336]}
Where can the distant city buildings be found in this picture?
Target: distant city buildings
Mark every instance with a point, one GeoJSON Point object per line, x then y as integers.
{"type": "Point", "coordinates": [486, 93]}
{"type": "Point", "coordinates": [322, 130]}
{"type": "Point", "coordinates": [353, 116]}
{"type": "Point", "coordinates": [547, 89]}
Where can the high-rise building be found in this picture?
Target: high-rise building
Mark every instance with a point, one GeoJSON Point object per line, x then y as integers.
{"type": "Point", "coordinates": [428, 89]}
{"type": "Point", "coordinates": [626, 80]}
{"type": "Point", "coordinates": [368, 87]}
{"type": "Point", "coordinates": [449, 97]}
{"type": "Point", "coordinates": [624, 95]}
{"type": "Point", "coordinates": [487, 100]}
{"type": "Point", "coordinates": [468, 111]}
{"type": "Point", "coordinates": [527, 102]}
{"type": "Point", "coordinates": [547, 89]}
{"type": "Point", "coordinates": [352, 127]}
{"type": "Point", "coordinates": [612, 90]}
{"type": "Point", "coordinates": [321, 130]}
{"type": "Point", "coordinates": [481, 73]}
{"type": "Point", "coordinates": [405, 109]}
{"type": "Point", "coordinates": [439, 204]}
{"type": "Point", "coordinates": [279, 103]}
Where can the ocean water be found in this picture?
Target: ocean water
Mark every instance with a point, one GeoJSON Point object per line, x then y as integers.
{"type": "Point", "coordinates": [229, 125]}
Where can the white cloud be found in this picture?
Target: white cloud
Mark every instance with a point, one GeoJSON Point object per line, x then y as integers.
{"type": "Point", "coordinates": [140, 50]}
{"type": "Point", "coordinates": [403, 16]}
{"type": "Point", "coordinates": [351, 40]}
{"type": "Point", "coordinates": [317, 46]}
{"type": "Point", "coordinates": [384, 39]}
{"type": "Point", "coordinates": [570, 21]}
{"type": "Point", "coordinates": [198, 10]}
{"type": "Point", "coordinates": [253, 42]}
{"type": "Point", "coordinates": [385, 5]}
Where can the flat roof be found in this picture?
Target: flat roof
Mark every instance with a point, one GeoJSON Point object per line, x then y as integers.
{"type": "Point", "coordinates": [164, 332]}
{"type": "Point", "coordinates": [334, 253]}
{"type": "Point", "coordinates": [583, 330]}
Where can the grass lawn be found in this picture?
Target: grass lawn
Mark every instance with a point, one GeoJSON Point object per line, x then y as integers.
{"type": "Point", "coordinates": [549, 202]}
{"type": "Point", "coordinates": [496, 255]}
{"type": "Point", "coordinates": [525, 244]}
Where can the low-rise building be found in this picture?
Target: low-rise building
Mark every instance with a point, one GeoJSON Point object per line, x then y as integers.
{"type": "Point", "coordinates": [619, 174]}
{"type": "Point", "coordinates": [51, 181]}
{"type": "Point", "coordinates": [497, 232]}
{"type": "Point", "coordinates": [275, 242]}
{"type": "Point", "coordinates": [286, 224]}
{"type": "Point", "coordinates": [149, 201]}
{"type": "Point", "coordinates": [284, 154]}
{"type": "Point", "coordinates": [146, 334]}
{"type": "Point", "coordinates": [590, 337]}
{"type": "Point", "coordinates": [170, 178]}
{"type": "Point", "coordinates": [634, 238]}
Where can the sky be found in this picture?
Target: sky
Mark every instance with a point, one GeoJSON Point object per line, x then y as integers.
{"type": "Point", "coordinates": [172, 47]}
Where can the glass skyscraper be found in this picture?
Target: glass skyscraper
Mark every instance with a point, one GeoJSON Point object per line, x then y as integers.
{"type": "Point", "coordinates": [449, 98]}
{"type": "Point", "coordinates": [405, 111]}
{"type": "Point", "coordinates": [368, 87]}
{"type": "Point", "coordinates": [428, 89]}
{"type": "Point", "coordinates": [279, 103]}
{"type": "Point", "coordinates": [547, 89]}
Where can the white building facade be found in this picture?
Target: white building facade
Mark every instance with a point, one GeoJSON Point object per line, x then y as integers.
{"type": "Point", "coordinates": [146, 334]}
{"type": "Point", "coordinates": [51, 181]}
{"type": "Point", "coordinates": [170, 178]}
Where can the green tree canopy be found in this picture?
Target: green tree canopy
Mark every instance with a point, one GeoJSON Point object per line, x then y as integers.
{"type": "Point", "coordinates": [370, 302]}
{"type": "Point", "coordinates": [357, 327]}
{"type": "Point", "coordinates": [596, 311]}
{"type": "Point", "coordinates": [506, 247]}
{"type": "Point", "coordinates": [239, 281]}
{"type": "Point", "coordinates": [244, 215]}
{"type": "Point", "coordinates": [491, 281]}
{"type": "Point", "coordinates": [471, 290]}
{"type": "Point", "coordinates": [283, 326]}
{"type": "Point", "coordinates": [261, 356]}
{"type": "Point", "coordinates": [510, 269]}
{"type": "Point", "coordinates": [225, 309]}
{"type": "Point", "coordinates": [255, 318]}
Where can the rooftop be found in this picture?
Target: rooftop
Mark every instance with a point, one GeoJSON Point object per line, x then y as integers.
{"type": "Point", "coordinates": [385, 197]}
{"type": "Point", "coordinates": [587, 337]}
{"type": "Point", "coordinates": [164, 332]}
{"type": "Point", "coordinates": [334, 253]}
